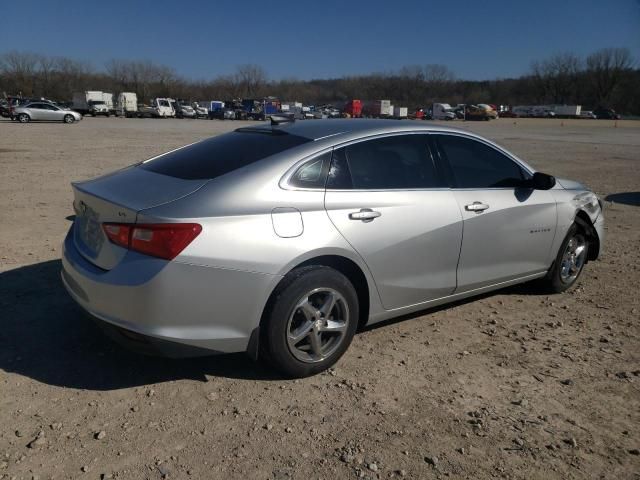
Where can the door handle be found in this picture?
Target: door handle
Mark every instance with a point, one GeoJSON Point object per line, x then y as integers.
{"type": "Point", "coordinates": [365, 214]}
{"type": "Point", "coordinates": [477, 207]}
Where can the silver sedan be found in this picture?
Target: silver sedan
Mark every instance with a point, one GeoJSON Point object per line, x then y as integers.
{"type": "Point", "coordinates": [281, 240]}
{"type": "Point", "coordinates": [45, 111]}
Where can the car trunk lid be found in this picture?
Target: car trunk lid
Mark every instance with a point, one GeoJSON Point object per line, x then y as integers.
{"type": "Point", "coordinates": [118, 197]}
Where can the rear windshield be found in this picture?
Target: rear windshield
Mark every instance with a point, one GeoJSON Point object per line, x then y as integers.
{"type": "Point", "coordinates": [216, 156]}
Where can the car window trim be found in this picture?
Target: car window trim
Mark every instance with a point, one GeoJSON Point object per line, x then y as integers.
{"type": "Point", "coordinates": [442, 158]}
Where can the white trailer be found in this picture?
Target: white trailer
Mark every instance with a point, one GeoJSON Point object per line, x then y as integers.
{"type": "Point", "coordinates": [90, 102]}
{"type": "Point", "coordinates": [107, 98]}
{"type": "Point", "coordinates": [567, 110]}
{"type": "Point", "coordinates": [127, 104]}
{"type": "Point", "coordinates": [400, 112]}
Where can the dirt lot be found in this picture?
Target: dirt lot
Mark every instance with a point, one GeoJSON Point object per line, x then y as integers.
{"type": "Point", "coordinates": [511, 385]}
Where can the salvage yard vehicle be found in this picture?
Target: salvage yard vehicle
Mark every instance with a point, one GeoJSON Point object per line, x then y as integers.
{"type": "Point", "coordinates": [127, 104]}
{"type": "Point", "coordinates": [91, 102]}
{"type": "Point", "coordinates": [481, 111]}
{"type": "Point", "coordinates": [159, 108]}
{"type": "Point", "coordinates": [606, 114]}
{"type": "Point", "coordinates": [45, 111]}
{"type": "Point", "coordinates": [281, 240]}
{"type": "Point", "coordinates": [182, 109]}
{"type": "Point", "coordinates": [588, 114]}
{"type": "Point", "coordinates": [442, 111]}
{"type": "Point", "coordinates": [200, 109]}
{"type": "Point", "coordinates": [353, 108]}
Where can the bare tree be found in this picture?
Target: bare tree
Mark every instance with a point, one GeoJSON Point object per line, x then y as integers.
{"type": "Point", "coordinates": [438, 74]}
{"type": "Point", "coordinates": [21, 67]}
{"type": "Point", "coordinates": [250, 79]}
{"type": "Point", "coordinates": [557, 77]}
{"type": "Point", "coordinates": [606, 68]}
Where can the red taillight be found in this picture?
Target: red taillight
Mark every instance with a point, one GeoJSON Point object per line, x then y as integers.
{"type": "Point", "coordinates": [118, 233]}
{"type": "Point", "coordinates": [163, 240]}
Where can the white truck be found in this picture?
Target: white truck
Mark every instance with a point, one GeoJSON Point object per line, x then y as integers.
{"type": "Point", "coordinates": [91, 102]}
{"type": "Point", "coordinates": [443, 111]}
{"type": "Point", "coordinates": [127, 104]}
{"type": "Point", "coordinates": [159, 108]}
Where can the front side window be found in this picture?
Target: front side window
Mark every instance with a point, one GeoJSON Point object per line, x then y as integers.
{"type": "Point", "coordinates": [394, 162]}
{"type": "Point", "coordinates": [476, 165]}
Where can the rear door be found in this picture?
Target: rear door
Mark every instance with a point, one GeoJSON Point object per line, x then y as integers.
{"type": "Point", "coordinates": [37, 111]}
{"type": "Point", "coordinates": [389, 201]}
{"type": "Point", "coordinates": [508, 229]}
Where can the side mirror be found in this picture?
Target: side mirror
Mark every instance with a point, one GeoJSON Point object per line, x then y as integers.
{"type": "Point", "coordinates": [542, 181]}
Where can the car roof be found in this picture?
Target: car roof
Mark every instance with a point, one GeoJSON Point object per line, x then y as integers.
{"type": "Point", "coordinates": [320, 129]}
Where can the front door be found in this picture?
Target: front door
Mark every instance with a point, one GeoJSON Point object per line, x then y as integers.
{"type": "Point", "coordinates": [508, 229]}
{"type": "Point", "coordinates": [387, 199]}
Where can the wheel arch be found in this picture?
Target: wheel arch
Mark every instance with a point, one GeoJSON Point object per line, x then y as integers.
{"type": "Point", "coordinates": [583, 220]}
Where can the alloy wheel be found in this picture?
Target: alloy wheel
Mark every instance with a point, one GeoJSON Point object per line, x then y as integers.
{"type": "Point", "coordinates": [573, 258]}
{"type": "Point", "coordinates": [317, 325]}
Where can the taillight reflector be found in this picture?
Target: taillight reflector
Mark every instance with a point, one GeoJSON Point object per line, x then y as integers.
{"type": "Point", "coordinates": [162, 240]}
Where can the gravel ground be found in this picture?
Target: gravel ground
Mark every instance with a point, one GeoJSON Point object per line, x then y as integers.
{"type": "Point", "coordinates": [514, 384]}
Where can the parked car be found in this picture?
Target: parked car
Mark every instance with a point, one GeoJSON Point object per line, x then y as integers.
{"type": "Point", "coordinates": [281, 240]}
{"type": "Point", "coordinates": [183, 109]}
{"type": "Point", "coordinates": [480, 112]}
{"type": "Point", "coordinates": [588, 114]}
{"type": "Point", "coordinates": [44, 111]}
{"type": "Point", "coordinates": [201, 110]}
{"type": "Point", "coordinates": [606, 114]}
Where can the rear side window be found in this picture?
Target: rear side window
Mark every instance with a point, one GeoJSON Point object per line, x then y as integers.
{"type": "Point", "coordinates": [395, 162]}
{"type": "Point", "coordinates": [312, 174]}
{"type": "Point", "coordinates": [219, 155]}
{"type": "Point", "coordinates": [476, 165]}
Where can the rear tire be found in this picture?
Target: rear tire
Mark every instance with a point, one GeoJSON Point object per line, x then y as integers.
{"type": "Point", "coordinates": [24, 118]}
{"type": "Point", "coordinates": [309, 322]}
{"type": "Point", "coordinates": [569, 262]}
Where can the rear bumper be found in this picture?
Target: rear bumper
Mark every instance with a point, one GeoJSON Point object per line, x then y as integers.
{"type": "Point", "coordinates": [168, 308]}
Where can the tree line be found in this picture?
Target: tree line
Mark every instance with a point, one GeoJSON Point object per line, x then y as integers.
{"type": "Point", "coordinates": [606, 78]}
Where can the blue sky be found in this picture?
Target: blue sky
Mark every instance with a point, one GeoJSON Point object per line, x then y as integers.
{"type": "Point", "coordinates": [321, 38]}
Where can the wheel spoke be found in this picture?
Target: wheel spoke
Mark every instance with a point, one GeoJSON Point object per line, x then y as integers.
{"type": "Point", "coordinates": [334, 326]}
{"type": "Point", "coordinates": [307, 309]}
{"type": "Point", "coordinates": [328, 304]}
{"type": "Point", "coordinates": [300, 333]}
{"type": "Point", "coordinates": [316, 344]}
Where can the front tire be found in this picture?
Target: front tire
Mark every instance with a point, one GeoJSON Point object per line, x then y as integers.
{"type": "Point", "coordinates": [309, 322]}
{"type": "Point", "coordinates": [569, 262]}
{"type": "Point", "coordinates": [69, 119]}
{"type": "Point", "coordinates": [24, 118]}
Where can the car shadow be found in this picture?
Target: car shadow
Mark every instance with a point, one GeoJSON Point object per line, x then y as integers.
{"type": "Point", "coordinates": [529, 288]}
{"type": "Point", "coordinates": [627, 198]}
{"type": "Point", "coordinates": [45, 336]}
